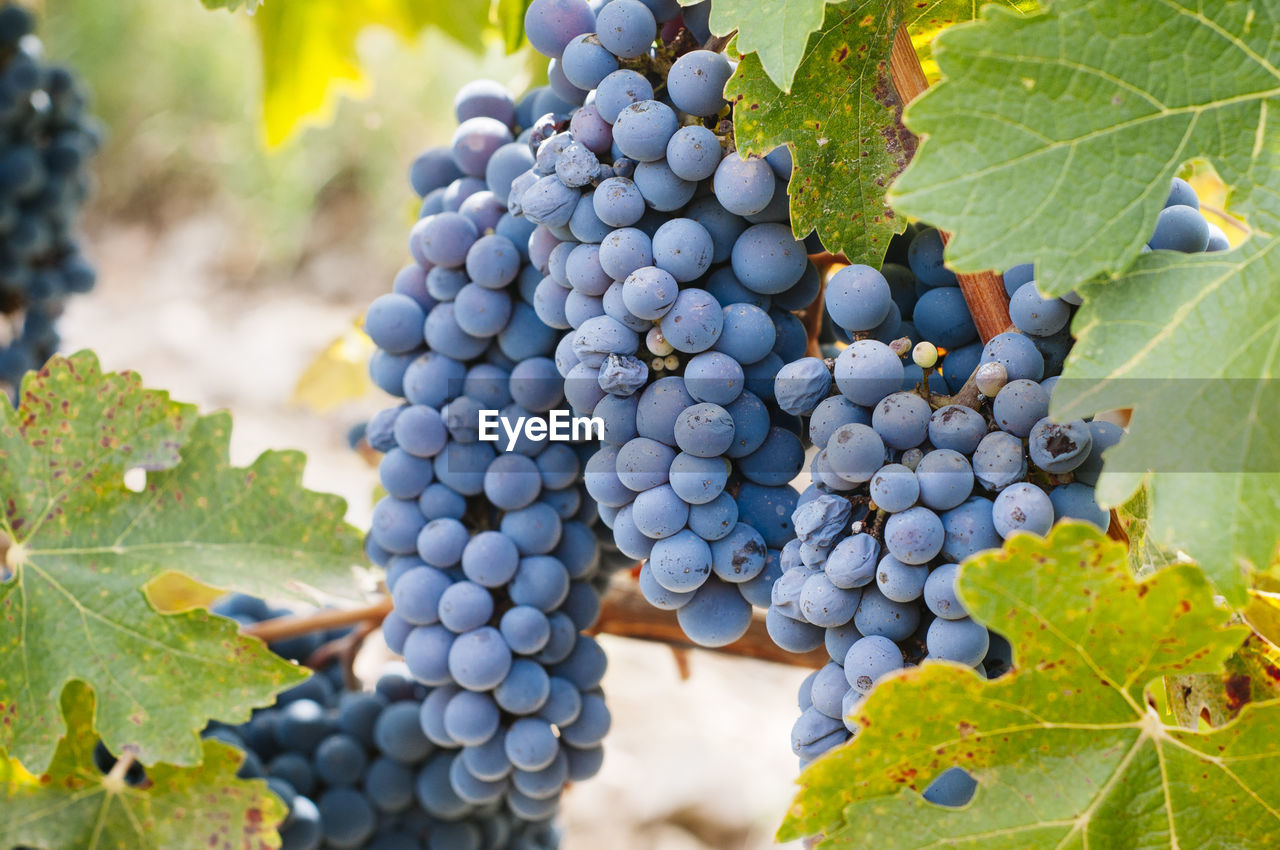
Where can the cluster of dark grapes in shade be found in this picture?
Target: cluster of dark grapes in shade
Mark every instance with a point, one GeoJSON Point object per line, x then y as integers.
{"type": "Point", "coordinates": [46, 140]}
{"type": "Point", "coordinates": [670, 264]}
{"type": "Point", "coordinates": [493, 561]}
{"type": "Point", "coordinates": [908, 483]}
{"type": "Point", "coordinates": [354, 767]}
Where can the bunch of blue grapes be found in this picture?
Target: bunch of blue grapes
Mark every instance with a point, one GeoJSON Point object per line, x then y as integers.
{"type": "Point", "coordinates": [668, 260]}
{"type": "Point", "coordinates": [354, 768]}
{"type": "Point", "coordinates": [493, 562]}
{"type": "Point", "coordinates": [909, 482]}
{"type": "Point", "coordinates": [46, 140]}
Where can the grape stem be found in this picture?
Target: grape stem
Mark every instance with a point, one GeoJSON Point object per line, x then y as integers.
{"type": "Point", "coordinates": [625, 613]}
{"type": "Point", "coordinates": [983, 291]}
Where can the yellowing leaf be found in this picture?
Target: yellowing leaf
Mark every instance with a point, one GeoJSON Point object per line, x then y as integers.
{"type": "Point", "coordinates": [74, 806]}
{"type": "Point", "coordinates": [84, 548]}
{"type": "Point", "coordinates": [1066, 748]}
{"type": "Point", "coordinates": [309, 56]}
{"type": "Point", "coordinates": [171, 593]}
{"type": "Point", "coordinates": [340, 374]}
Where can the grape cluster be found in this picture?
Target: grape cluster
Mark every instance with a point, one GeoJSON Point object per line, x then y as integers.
{"type": "Point", "coordinates": [493, 563]}
{"type": "Point", "coordinates": [671, 265]}
{"type": "Point", "coordinates": [907, 483]}
{"type": "Point", "coordinates": [355, 769]}
{"type": "Point", "coordinates": [46, 140]}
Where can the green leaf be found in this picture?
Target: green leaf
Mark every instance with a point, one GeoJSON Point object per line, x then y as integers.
{"type": "Point", "coordinates": [1145, 555]}
{"type": "Point", "coordinates": [309, 50]}
{"type": "Point", "coordinates": [775, 32]}
{"type": "Point", "coordinates": [1053, 137]}
{"type": "Point", "coordinates": [1066, 748]}
{"type": "Point", "coordinates": [83, 549]}
{"type": "Point", "coordinates": [1252, 674]}
{"type": "Point", "coordinates": [73, 804]}
{"type": "Point", "coordinates": [1192, 344]}
{"type": "Point", "coordinates": [841, 120]}
{"type": "Point", "coordinates": [510, 14]}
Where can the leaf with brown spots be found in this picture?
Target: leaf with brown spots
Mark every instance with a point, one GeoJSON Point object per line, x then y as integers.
{"type": "Point", "coordinates": [84, 550]}
{"type": "Point", "coordinates": [842, 119]}
{"type": "Point", "coordinates": [1066, 748]}
{"type": "Point", "coordinates": [74, 805]}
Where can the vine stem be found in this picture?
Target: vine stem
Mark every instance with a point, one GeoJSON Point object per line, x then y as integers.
{"type": "Point", "coordinates": [983, 291]}
{"type": "Point", "coordinates": [115, 779]}
{"type": "Point", "coordinates": [624, 613]}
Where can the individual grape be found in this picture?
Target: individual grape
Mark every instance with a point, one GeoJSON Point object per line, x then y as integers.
{"type": "Point", "coordinates": [1077, 501]}
{"type": "Point", "coordinates": [858, 298]}
{"type": "Point", "coordinates": [1017, 354]}
{"type": "Point", "coordinates": [739, 556]}
{"type": "Point", "coordinates": [394, 323]}
{"type": "Point", "coordinates": [649, 292]}
{"type": "Point", "coordinates": [801, 385]}
{"type": "Point", "coordinates": [704, 430]}
{"type": "Point", "coordinates": [426, 652]}
{"type": "Point", "coordinates": [475, 141]}
{"type": "Point", "coordinates": [591, 726]}
{"type": "Point", "coordinates": [1035, 315]}
{"type": "Point", "coordinates": [743, 186]}
{"type": "Point", "coordinates": [548, 201]}
{"type": "Point", "coordinates": [657, 595]}
{"type": "Point", "coordinates": [959, 364]}
{"type": "Point", "coordinates": [867, 371]}
{"type": "Point", "coordinates": [953, 787]}
{"type": "Point", "coordinates": [900, 582]}
{"type": "Point", "coordinates": [940, 593]}
{"type": "Point", "coordinates": [524, 690]}
{"type": "Point", "coordinates": [618, 202]}
{"type": "Point", "coordinates": [852, 562]}
{"type": "Point", "coordinates": [716, 615]}
{"type": "Point", "coordinates": [683, 248]}
{"type": "Point", "coordinates": [962, 641]}
{"type": "Point", "coordinates": [823, 604]}
{"type": "Point", "coordinates": [417, 594]}
{"type": "Point", "coordinates": [659, 512]}
{"type": "Point", "coordinates": [1105, 435]}
{"type": "Point", "coordinates": [767, 259]}
{"type": "Point", "coordinates": [661, 188]}
{"type": "Point", "coordinates": [482, 312]}
{"type": "Point", "coordinates": [479, 659]}
{"type": "Point", "coordinates": [945, 479]}
{"type": "Point", "coordinates": [869, 659]}
{"type": "Point", "coordinates": [969, 529]}
{"type": "Point", "coordinates": [346, 818]}
{"type": "Point", "coordinates": [465, 606]}
{"type": "Point", "coordinates": [682, 562]}
{"type": "Point", "coordinates": [694, 322]}
{"type": "Point", "coordinates": [625, 250]}
{"type": "Point", "coordinates": [1019, 406]}
{"type": "Point", "coordinates": [998, 461]}
{"type": "Point", "coordinates": [643, 129]}
{"type": "Point", "coordinates": [1218, 241]}
{"type": "Point", "coordinates": [894, 488]}
{"type": "Point", "coordinates": [942, 317]}
{"type": "Point", "coordinates": [925, 256]}
{"type": "Point", "coordinates": [696, 82]}
{"type": "Point", "coordinates": [714, 519]}
{"type": "Point", "coordinates": [855, 452]}
{"type": "Point", "coordinates": [879, 615]}
{"type": "Point", "coordinates": [433, 169]}
{"type": "Point", "coordinates": [1059, 448]}
{"type": "Point", "coordinates": [1180, 228]}
{"type": "Point", "coordinates": [585, 61]}
{"type": "Point", "coordinates": [776, 462]}
{"type": "Point", "coordinates": [694, 153]}
{"type": "Point", "coordinates": [1022, 507]}
{"type": "Point", "coordinates": [551, 24]}
{"type": "Point", "coordinates": [446, 238]}
{"type": "Point", "coordinates": [620, 89]}
{"type": "Point", "coordinates": [792, 635]}
{"type": "Point", "coordinates": [541, 581]}
{"type": "Point", "coordinates": [830, 414]}
{"type": "Point", "coordinates": [914, 536]}
{"type": "Point", "coordinates": [902, 420]}
{"type": "Point", "coordinates": [626, 28]}
{"type": "Point", "coordinates": [714, 377]}
{"type": "Point", "coordinates": [643, 462]}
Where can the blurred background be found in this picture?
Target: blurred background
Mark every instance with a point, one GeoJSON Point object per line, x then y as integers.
{"type": "Point", "coordinates": [229, 274]}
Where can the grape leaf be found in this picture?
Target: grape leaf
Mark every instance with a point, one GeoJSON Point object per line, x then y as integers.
{"type": "Point", "coordinates": [775, 32]}
{"type": "Point", "coordinates": [1065, 747]}
{"type": "Point", "coordinates": [73, 804]}
{"type": "Point", "coordinates": [842, 120]}
{"type": "Point", "coordinates": [510, 15]}
{"type": "Point", "coordinates": [1053, 137]}
{"type": "Point", "coordinates": [82, 549]}
{"type": "Point", "coordinates": [339, 374]}
{"type": "Point", "coordinates": [1252, 674]}
{"type": "Point", "coordinates": [841, 116]}
{"type": "Point", "coordinates": [1192, 344]}
{"type": "Point", "coordinates": [309, 51]}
